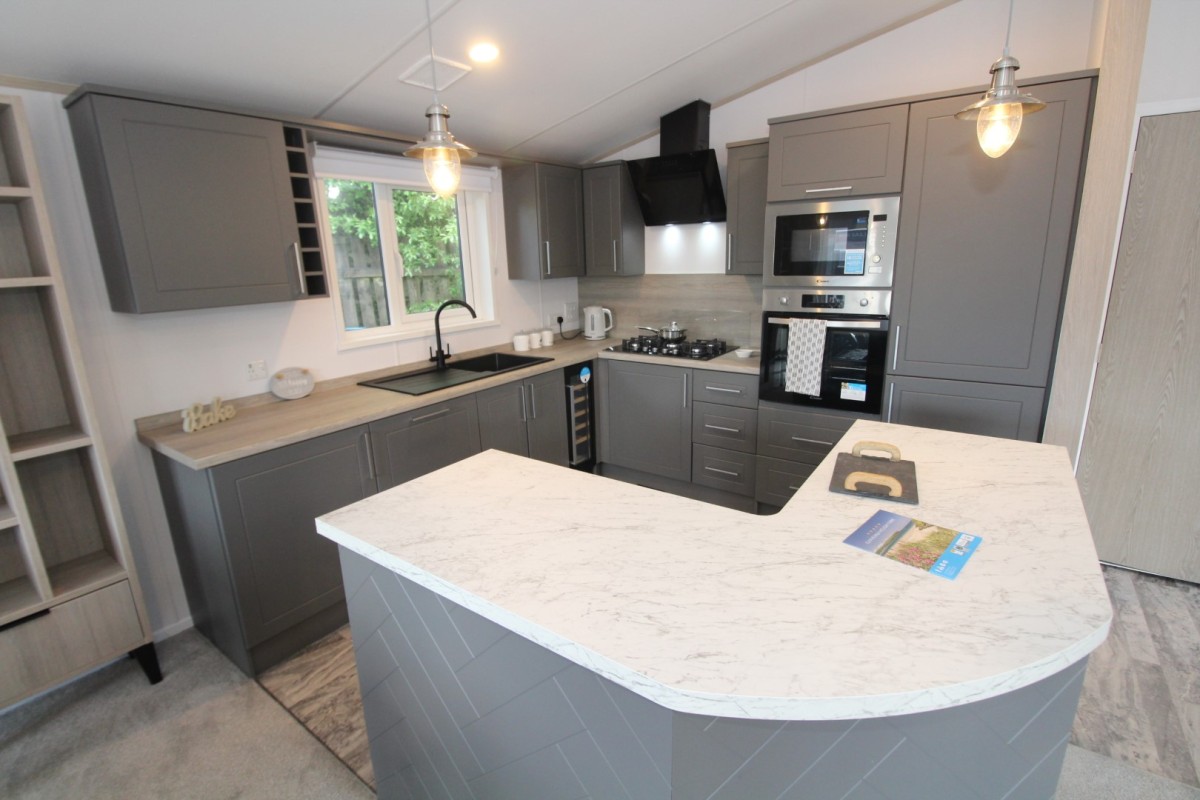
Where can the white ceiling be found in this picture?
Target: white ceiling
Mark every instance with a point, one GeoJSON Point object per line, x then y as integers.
{"type": "Point", "coordinates": [576, 79]}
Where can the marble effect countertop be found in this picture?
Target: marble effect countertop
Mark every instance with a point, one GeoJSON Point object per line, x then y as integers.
{"type": "Point", "coordinates": [708, 610]}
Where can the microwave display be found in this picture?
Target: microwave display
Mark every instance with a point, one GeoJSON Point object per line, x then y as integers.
{"type": "Point", "coordinates": [845, 242]}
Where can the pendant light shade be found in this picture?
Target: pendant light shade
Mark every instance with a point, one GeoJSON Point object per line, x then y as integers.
{"type": "Point", "coordinates": [439, 153]}
{"type": "Point", "coordinates": [998, 115]}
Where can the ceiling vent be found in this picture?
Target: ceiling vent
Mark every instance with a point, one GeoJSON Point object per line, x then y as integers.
{"type": "Point", "coordinates": [421, 73]}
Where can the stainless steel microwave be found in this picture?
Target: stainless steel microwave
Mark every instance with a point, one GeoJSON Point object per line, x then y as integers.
{"type": "Point", "coordinates": [846, 242]}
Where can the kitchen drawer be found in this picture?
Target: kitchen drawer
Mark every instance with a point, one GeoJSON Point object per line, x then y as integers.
{"type": "Point", "coordinates": [725, 426]}
{"type": "Point", "coordinates": [795, 435]}
{"type": "Point", "coordinates": [74, 636]}
{"type": "Point", "coordinates": [776, 480]}
{"type": "Point", "coordinates": [726, 388]}
{"type": "Point", "coordinates": [719, 468]}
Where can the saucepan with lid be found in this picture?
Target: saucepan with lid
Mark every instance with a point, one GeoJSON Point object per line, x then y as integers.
{"type": "Point", "coordinates": [674, 333]}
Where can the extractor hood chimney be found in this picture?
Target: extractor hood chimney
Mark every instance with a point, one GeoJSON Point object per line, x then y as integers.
{"type": "Point", "coordinates": [682, 185]}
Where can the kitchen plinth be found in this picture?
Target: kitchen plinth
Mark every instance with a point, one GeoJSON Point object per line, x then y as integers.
{"type": "Point", "coordinates": [533, 631]}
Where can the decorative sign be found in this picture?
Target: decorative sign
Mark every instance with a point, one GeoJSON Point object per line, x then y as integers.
{"type": "Point", "coordinates": [196, 417]}
{"type": "Point", "coordinates": [291, 383]}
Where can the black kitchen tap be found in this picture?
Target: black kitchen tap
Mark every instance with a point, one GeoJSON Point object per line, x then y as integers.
{"type": "Point", "coordinates": [439, 357]}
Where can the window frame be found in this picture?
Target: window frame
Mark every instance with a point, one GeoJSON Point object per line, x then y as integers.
{"type": "Point", "coordinates": [476, 216]}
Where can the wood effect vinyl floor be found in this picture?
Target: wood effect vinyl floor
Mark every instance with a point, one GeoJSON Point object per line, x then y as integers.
{"type": "Point", "coordinates": [1140, 702]}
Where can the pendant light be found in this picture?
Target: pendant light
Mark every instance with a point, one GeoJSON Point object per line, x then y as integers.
{"type": "Point", "coordinates": [440, 154]}
{"type": "Point", "coordinates": [998, 115]}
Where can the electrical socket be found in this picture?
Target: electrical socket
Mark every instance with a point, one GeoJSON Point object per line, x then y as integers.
{"type": "Point", "coordinates": [256, 370]}
{"type": "Point", "coordinates": [571, 312]}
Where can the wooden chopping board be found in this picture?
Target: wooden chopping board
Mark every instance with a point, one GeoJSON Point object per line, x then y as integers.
{"type": "Point", "coordinates": [884, 477]}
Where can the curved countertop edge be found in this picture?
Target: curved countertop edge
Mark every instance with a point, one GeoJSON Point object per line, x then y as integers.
{"type": "Point", "coordinates": [1076, 628]}
{"type": "Point", "coordinates": [809, 709]}
{"type": "Point", "coordinates": [264, 423]}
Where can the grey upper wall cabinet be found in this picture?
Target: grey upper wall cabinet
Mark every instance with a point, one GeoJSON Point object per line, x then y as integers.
{"type": "Point", "coordinates": [746, 208]}
{"type": "Point", "coordinates": [855, 153]}
{"type": "Point", "coordinates": [543, 221]}
{"type": "Point", "coordinates": [195, 208]}
{"type": "Point", "coordinates": [614, 231]}
{"type": "Point", "coordinates": [983, 243]}
{"type": "Point", "coordinates": [526, 418]}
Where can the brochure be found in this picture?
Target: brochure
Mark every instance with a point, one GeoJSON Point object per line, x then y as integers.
{"type": "Point", "coordinates": [939, 551]}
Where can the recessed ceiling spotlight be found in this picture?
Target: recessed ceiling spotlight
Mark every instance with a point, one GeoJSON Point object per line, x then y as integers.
{"type": "Point", "coordinates": [484, 53]}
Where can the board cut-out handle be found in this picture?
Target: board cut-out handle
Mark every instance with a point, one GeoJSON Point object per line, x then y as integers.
{"type": "Point", "coordinates": [890, 449]}
{"type": "Point", "coordinates": [887, 481]}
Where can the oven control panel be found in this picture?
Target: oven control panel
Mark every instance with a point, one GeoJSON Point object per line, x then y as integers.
{"type": "Point", "coordinates": [875, 303]}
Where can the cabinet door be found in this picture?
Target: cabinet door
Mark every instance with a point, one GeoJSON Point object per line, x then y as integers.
{"type": "Point", "coordinates": [503, 412]}
{"type": "Point", "coordinates": [983, 245]}
{"type": "Point", "coordinates": [746, 215]}
{"type": "Point", "coordinates": [988, 409]}
{"type": "Point", "coordinates": [645, 418]}
{"type": "Point", "coordinates": [407, 446]}
{"type": "Point", "coordinates": [547, 418]}
{"type": "Point", "coordinates": [192, 208]}
{"type": "Point", "coordinates": [614, 232]}
{"type": "Point", "coordinates": [284, 571]}
{"type": "Point", "coordinates": [859, 152]}
{"type": "Point", "coordinates": [560, 218]}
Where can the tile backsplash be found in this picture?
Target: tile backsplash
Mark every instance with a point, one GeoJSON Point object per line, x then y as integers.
{"type": "Point", "coordinates": [725, 307]}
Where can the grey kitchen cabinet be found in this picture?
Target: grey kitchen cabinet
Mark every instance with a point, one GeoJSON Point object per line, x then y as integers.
{"type": "Point", "coordinates": [645, 417]}
{"type": "Point", "coordinates": [746, 207]}
{"type": "Point", "coordinates": [406, 446]}
{"type": "Point", "coordinates": [543, 221]}
{"type": "Point", "coordinates": [613, 229]}
{"type": "Point", "coordinates": [792, 441]}
{"type": "Point", "coordinates": [261, 582]}
{"type": "Point", "coordinates": [195, 208]}
{"type": "Point", "coordinates": [836, 155]}
{"type": "Point", "coordinates": [720, 468]}
{"type": "Point", "coordinates": [982, 253]}
{"type": "Point", "coordinates": [527, 418]}
{"type": "Point", "coordinates": [730, 427]}
{"type": "Point", "coordinates": [987, 409]}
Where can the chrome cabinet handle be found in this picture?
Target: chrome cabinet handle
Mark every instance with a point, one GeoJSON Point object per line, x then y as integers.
{"type": "Point", "coordinates": [722, 428]}
{"type": "Point", "coordinates": [614, 255]}
{"type": "Point", "coordinates": [547, 256]}
{"type": "Point", "coordinates": [424, 417]}
{"type": "Point", "coordinates": [728, 252]}
{"type": "Point", "coordinates": [829, 189]}
{"type": "Point", "coordinates": [524, 415]}
{"type": "Point", "coordinates": [891, 394]}
{"type": "Point", "coordinates": [793, 488]}
{"type": "Point", "coordinates": [532, 402]}
{"type": "Point", "coordinates": [896, 346]}
{"type": "Point", "coordinates": [811, 441]}
{"type": "Point", "coordinates": [370, 457]}
{"type": "Point", "coordinates": [299, 266]}
{"type": "Point", "coordinates": [685, 388]}
{"type": "Point", "coordinates": [723, 472]}
{"type": "Point", "coordinates": [722, 389]}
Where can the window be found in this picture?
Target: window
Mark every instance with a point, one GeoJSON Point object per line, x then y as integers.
{"type": "Point", "coordinates": [398, 251]}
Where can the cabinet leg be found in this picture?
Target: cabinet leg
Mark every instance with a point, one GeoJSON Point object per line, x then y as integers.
{"type": "Point", "coordinates": [147, 658]}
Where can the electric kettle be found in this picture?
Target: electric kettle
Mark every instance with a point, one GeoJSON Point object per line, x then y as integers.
{"type": "Point", "coordinates": [594, 326]}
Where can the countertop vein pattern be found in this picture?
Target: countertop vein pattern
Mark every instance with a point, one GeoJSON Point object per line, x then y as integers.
{"type": "Point", "coordinates": [708, 610]}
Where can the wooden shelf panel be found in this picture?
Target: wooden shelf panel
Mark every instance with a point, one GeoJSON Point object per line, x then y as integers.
{"type": "Point", "coordinates": [35, 444]}
{"type": "Point", "coordinates": [18, 597]}
{"type": "Point", "coordinates": [15, 194]}
{"type": "Point", "coordinates": [7, 518]}
{"type": "Point", "coordinates": [84, 574]}
{"type": "Point", "coordinates": [25, 283]}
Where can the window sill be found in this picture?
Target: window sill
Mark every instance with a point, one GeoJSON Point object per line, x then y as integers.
{"type": "Point", "coordinates": [350, 340]}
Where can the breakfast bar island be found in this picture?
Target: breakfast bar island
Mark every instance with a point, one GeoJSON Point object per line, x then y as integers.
{"type": "Point", "coordinates": [527, 631]}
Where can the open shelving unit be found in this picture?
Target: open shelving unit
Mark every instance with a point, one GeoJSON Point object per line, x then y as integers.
{"type": "Point", "coordinates": [69, 596]}
{"type": "Point", "coordinates": [303, 186]}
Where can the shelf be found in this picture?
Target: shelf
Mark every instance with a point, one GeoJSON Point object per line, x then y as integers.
{"type": "Point", "coordinates": [17, 598]}
{"type": "Point", "coordinates": [15, 194]}
{"type": "Point", "coordinates": [22, 249]}
{"type": "Point", "coordinates": [7, 518]}
{"type": "Point", "coordinates": [37, 393]}
{"type": "Point", "coordinates": [84, 574]}
{"type": "Point", "coordinates": [36, 444]}
{"type": "Point", "coordinates": [25, 283]}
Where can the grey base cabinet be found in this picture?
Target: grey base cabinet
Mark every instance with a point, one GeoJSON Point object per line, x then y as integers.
{"type": "Point", "coordinates": [261, 583]}
{"type": "Point", "coordinates": [792, 441]}
{"type": "Point", "coordinates": [746, 208]}
{"type": "Point", "coordinates": [527, 418]}
{"type": "Point", "coordinates": [988, 409]}
{"type": "Point", "coordinates": [407, 446]}
{"type": "Point", "coordinates": [194, 208]}
{"type": "Point", "coordinates": [645, 417]}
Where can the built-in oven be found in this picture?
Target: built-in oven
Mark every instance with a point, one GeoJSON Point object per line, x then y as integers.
{"type": "Point", "coordinates": [848, 242]}
{"type": "Point", "coordinates": [825, 348]}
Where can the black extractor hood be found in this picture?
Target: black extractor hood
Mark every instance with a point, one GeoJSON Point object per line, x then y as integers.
{"type": "Point", "coordinates": [682, 185]}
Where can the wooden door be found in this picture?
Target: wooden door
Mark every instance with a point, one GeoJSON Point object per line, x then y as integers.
{"type": "Point", "coordinates": [1139, 468]}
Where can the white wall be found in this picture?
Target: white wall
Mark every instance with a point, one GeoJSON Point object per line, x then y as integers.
{"type": "Point", "coordinates": [1171, 65]}
{"type": "Point", "coordinates": [949, 49]}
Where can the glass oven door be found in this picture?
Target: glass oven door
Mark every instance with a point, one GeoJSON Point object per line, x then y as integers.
{"type": "Point", "coordinates": [852, 362]}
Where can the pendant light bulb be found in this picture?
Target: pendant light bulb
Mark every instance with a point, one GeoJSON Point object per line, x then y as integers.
{"type": "Point", "coordinates": [997, 128]}
{"type": "Point", "coordinates": [443, 170]}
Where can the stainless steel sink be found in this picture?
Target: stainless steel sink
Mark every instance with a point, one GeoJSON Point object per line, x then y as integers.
{"type": "Point", "coordinates": [456, 373]}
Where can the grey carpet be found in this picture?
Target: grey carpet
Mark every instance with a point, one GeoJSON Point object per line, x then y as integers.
{"type": "Point", "coordinates": [206, 732]}
{"type": "Point", "coordinates": [209, 732]}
